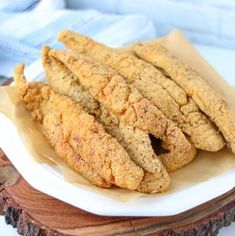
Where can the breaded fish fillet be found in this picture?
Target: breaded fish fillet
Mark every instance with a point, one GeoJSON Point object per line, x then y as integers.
{"type": "Point", "coordinates": [153, 85]}
{"type": "Point", "coordinates": [77, 137]}
{"type": "Point", "coordinates": [209, 100]}
{"type": "Point", "coordinates": [135, 141]}
{"type": "Point", "coordinates": [125, 101]}
{"type": "Point", "coordinates": [63, 81]}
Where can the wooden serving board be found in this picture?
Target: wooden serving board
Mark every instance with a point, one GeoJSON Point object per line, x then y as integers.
{"type": "Point", "coordinates": [35, 213]}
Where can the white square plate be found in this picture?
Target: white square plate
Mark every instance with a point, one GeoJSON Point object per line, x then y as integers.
{"type": "Point", "coordinates": [50, 181]}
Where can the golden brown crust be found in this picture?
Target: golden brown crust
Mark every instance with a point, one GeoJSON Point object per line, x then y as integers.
{"type": "Point", "coordinates": [209, 100]}
{"type": "Point", "coordinates": [68, 84]}
{"type": "Point", "coordinates": [78, 138]}
{"type": "Point", "coordinates": [65, 82]}
{"type": "Point", "coordinates": [111, 90]}
{"type": "Point", "coordinates": [149, 182]}
{"type": "Point", "coordinates": [143, 114]}
{"type": "Point", "coordinates": [165, 93]}
{"type": "Point", "coordinates": [136, 142]}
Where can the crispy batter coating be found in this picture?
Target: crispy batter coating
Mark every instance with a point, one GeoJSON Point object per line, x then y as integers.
{"type": "Point", "coordinates": [111, 90]}
{"type": "Point", "coordinates": [209, 100]}
{"type": "Point", "coordinates": [162, 91]}
{"type": "Point", "coordinates": [77, 137]}
{"type": "Point", "coordinates": [136, 142]}
{"type": "Point", "coordinates": [64, 82]}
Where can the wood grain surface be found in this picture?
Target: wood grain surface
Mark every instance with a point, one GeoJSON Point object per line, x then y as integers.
{"type": "Point", "coordinates": [35, 213]}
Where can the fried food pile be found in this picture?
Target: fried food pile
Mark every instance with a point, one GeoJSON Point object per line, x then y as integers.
{"type": "Point", "coordinates": [124, 119]}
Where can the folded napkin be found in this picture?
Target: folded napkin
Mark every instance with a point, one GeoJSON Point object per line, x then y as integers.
{"type": "Point", "coordinates": [27, 25]}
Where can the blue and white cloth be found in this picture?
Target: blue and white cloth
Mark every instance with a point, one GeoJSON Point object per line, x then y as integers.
{"type": "Point", "coordinates": [27, 25]}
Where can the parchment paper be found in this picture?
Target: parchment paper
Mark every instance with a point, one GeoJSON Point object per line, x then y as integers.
{"type": "Point", "coordinates": [205, 166]}
{"type": "Point", "coordinates": [40, 149]}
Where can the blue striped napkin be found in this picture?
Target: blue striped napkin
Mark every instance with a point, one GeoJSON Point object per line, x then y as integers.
{"type": "Point", "coordinates": [27, 25]}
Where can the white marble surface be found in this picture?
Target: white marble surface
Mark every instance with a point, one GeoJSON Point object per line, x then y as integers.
{"type": "Point", "coordinates": [223, 60]}
{"type": "Point", "coordinates": [6, 230]}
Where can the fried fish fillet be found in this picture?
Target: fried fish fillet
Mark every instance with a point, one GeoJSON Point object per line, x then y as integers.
{"type": "Point", "coordinates": [77, 137]}
{"type": "Point", "coordinates": [131, 108]}
{"type": "Point", "coordinates": [63, 81]}
{"type": "Point", "coordinates": [162, 91]}
{"type": "Point", "coordinates": [135, 141]}
{"type": "Point", "coordinates": [209, 100]}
